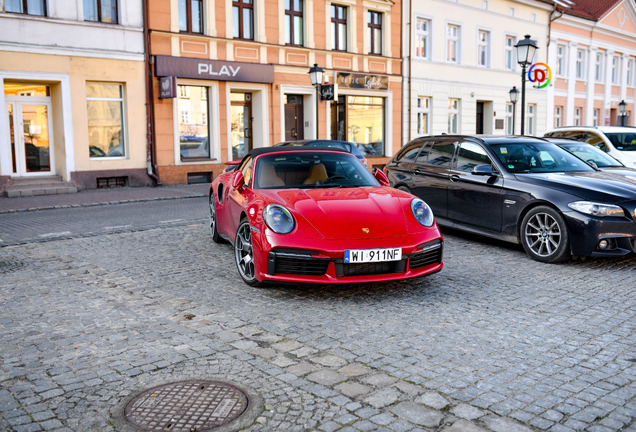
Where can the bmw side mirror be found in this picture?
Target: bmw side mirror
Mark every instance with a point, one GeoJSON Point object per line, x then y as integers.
{"type": "Point", "coordinates": [381, 177]}
{"type": "Point", "coordinates": [238, 181]}
{"type": "Point", "coordinates": [483, 170]}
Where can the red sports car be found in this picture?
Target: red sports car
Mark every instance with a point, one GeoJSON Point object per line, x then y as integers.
{"type": "Point", "coordinates": [316, 215]}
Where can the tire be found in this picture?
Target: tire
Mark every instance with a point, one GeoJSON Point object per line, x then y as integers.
{"type": "Point", "coordinates": [544, 235]}
{"type": "Point", "coordinates": [216, 238]}
{"type": "Point", "coordinates": [244, 254]}
{"type": "Point", "coordinates": [404, 189]}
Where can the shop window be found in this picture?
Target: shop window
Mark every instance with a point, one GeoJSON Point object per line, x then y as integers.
{"type": "Point", "coordinates": [374, 25]}
{"type": "Point", "coordinates": [194, 131]}
{"type": "Point", "coordinates": [243, 19]}
{"type": "Point", "coordinates": [27, 7]}
{"type": "Point", "coordinates": [338, 28]}
{"type": "Point", "coordinates": [423, 34]}
{"type": "Point", "coordinates": [361, 120]}
{"type": "Point", "coordinates": [191, 16]}
{"type": "Point", "coordinates": [101, 11]}
{"type": "Point", "coordinates": [106, 132]}
{"type": "Point", "coordinates": [294, 22]}
{"type": "Point", "coordinates": [423, 115]}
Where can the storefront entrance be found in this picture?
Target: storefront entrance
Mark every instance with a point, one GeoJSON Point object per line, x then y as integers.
{"type": "Point", "coordinates": [360, 120]}
{"type": "Point", "coordinates": [294, 128]}
{"type": "Point", "coordinates": [241, 124]}
{"type": "Point", "coordinates": [30, 135]}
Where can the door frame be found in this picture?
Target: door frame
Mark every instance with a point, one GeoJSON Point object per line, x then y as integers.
{"type": "Point", "coordinates": [299, 117]}
{"type": "Point", "coordinates": [309, 108]}
{"type": "Point", "coordinates": [20, 156]}
{"type": "Point", "coordinates": [250, 121]}
{"type": "Point", "coordinates": [260, 112]}
{"type": "Point", "coordinates": [62, 97]}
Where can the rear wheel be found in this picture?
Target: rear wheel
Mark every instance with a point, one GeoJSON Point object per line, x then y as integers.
{"type": "Point", "coordinates": [244, 254]}
{"type": "Point", "coordinates": [216, 238]}
{"type": "Point", "coordinates": [404, 189]}
{"type": "Point", "coordinates": [544, 235]}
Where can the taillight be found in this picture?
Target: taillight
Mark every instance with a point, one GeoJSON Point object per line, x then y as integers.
{"type": "Point", "coordinates": [384, 169]}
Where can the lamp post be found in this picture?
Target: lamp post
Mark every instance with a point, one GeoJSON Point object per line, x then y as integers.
{"type": "Point", "coordinates": [525, 54]}
{"type": "Point", "coordinates": [514, 97]}
{"type": "Point", "coordinates": [315, 74]}
{"type": "Point", "coordinates": [622, 109]}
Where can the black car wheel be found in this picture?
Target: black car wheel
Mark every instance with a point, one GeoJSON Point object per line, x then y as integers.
{"type": "Point", "coordinates": [216, 238]}
{"type": "Point", "coordinates": [244, 254]}
{"type": "Point", "coordinates": [544, 235]}
{"type": "Point", "coordinates": [404, 189]}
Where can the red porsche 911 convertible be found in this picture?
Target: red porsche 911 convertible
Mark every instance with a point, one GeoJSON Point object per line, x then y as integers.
{"type": "Point", "coordinates": [316, 215]}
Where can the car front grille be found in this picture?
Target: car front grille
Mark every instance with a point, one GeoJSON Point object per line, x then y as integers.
{"type": "Point", "coordinates": [364, 269]}
{"type": "Point", "coordinates": [430, 255]}
{"type": "Point", "coordinates": [300, 266]}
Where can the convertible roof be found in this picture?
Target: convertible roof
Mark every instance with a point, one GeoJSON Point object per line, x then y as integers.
{"type": "Point", "coordinates": [280, 149]}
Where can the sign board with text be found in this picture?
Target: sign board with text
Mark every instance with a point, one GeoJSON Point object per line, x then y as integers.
{"type": "Point", "coordinates": [362, 81]}
{"type": "Point", "coordinates": [168, 87]}
{"type": "Point", "coordinates": [218, 70]}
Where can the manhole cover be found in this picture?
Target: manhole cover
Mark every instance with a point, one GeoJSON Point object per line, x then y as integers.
{"type": "Point", "coordinates": [189, 406]}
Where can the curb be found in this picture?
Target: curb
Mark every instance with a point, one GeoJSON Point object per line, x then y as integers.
{"type": "Point", "coordinates": [100, 203]}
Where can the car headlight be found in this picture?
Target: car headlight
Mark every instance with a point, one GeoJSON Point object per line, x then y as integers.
{"type": "Point", "coordinates": [278, 219]}
{"type": "Point", "coordinates": [422, 212]}
{"type": "Point", "coordinates": [597, 209]}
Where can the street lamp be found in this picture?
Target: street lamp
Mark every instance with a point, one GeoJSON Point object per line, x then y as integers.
{"type": "Point", "coordinates": [315, 74]}
{"type": "Point", "coordinates": [514, 97]}
{"type": "Point", "coordinates": [622, 109]}
{"type": "Point", "coordinates": [525, 54]}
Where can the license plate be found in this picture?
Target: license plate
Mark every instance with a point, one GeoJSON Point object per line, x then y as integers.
{"type": "Point", "coordinates": [372, 255]}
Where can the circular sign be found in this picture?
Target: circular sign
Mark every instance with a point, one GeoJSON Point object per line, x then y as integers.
{"type": "Point", "coordinates": [541, 74]}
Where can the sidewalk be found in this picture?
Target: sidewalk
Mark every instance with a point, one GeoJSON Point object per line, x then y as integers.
{"type": "Point", "coordinates": [101, 197]}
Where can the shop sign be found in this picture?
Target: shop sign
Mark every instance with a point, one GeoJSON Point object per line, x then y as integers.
{"type": "Point", "coordinates": [213, 69]}
{"type": "Point", "coordinates": [540, 74]}
{"type": "Point", "coordinates": [328, 92]}
{"type": "Point", "coordinates": [362, 81]}
{"type": "Point", "coordinates": [168, 87]}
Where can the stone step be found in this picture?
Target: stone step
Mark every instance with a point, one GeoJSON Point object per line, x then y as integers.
{"type": "Point", "coordinates": [30, 180]}
{"type": "Point", "coordinates": [39, 185]}
{"type": "Point", "coordinates": [23, 191]}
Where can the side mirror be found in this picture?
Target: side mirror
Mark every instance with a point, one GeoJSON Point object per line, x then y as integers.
{"type": "Point", "coordinates": [238, 181]}
{"type": "Point", "coordinates": [483, 170]}
{"type": "Point", "coordinates": [381, 177]}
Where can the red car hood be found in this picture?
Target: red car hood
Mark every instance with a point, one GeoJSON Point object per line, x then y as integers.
{"type": "Point", "coordinates": [346, 213]}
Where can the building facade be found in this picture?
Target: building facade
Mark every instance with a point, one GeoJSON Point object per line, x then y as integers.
{"type": "Point", "coordinates": [460, 64]}
{"type": "Point", "coordinates": [592, 55]}
{"type": "Point", "coordinates": [72, 91]}
{"type": "Point", "coordinates": [240, 76]}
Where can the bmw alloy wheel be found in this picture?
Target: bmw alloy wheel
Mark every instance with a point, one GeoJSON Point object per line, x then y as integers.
{"type": "Point", "coordinates": [543, 234]}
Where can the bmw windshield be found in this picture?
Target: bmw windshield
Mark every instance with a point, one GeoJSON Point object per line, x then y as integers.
{"type": "Point", "coordinates": [624, 141]}
{"type": "Point", "coordinates": [311, 170]}
{"type": "Point", "coordinates": [537, 157]}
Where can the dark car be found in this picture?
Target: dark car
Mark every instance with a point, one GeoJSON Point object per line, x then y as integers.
{"type": "Point", "coordinates": [522, 190]}
{"type": "Point", "coordinates": [343, 145]}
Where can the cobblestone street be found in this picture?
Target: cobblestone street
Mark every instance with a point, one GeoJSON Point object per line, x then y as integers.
{"type": "Point", "coordinates": [494, 342]}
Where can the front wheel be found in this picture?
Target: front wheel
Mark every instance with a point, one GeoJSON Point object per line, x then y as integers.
{"type": "Point", "coordinates": [544, 235]}
{"type": "Point", "coordinates": [244, 254]}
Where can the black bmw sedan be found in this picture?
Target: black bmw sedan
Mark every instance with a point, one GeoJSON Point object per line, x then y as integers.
{"type": "Point", "coordinates": [522, 190]}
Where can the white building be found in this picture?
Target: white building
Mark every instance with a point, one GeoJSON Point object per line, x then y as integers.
{"type": "Point", "coordinates": [463, 65]}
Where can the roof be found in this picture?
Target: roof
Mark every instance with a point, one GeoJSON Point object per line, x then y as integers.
{"type": "Point", "coordinates": [307, 141]}
{"type": "Point", "coordinates": [588, 9]}
{"type": "Point", "coordinates": [487, 139]}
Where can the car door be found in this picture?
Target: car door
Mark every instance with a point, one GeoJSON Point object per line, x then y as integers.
{"type": "Point", "coordinates": [431, 174]}
{"type": "Point", "coordinates": [237, 197]}
{"type": "Point", "coordinates": [474, 200]}
{"type": "Point", "coordinates": [402, 166]}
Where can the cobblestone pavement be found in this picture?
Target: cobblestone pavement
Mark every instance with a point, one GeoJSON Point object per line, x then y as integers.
{"type": "Point", "coordinates": [495, 342]}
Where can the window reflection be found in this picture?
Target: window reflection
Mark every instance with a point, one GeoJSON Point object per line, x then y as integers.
{"type": "Point", "coordinates": [104, 104]}
{"type": "Point", "coordinates": [194, 134]}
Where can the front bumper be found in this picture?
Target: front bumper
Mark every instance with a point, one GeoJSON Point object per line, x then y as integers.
{"type": "Point", "coordinates": [586, 232]}
{"type": "Point", "coordinates": [322, 261]}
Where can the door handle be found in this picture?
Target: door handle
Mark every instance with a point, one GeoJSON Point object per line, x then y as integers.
{"type": "Point", "coordinates": [246, 133]}
{"type": "Point", "coordinates": [418, 172]}
{"type": "Point", "coordinates": [454, 178]}
{"type": "Point", "coordinates": [294, 132]}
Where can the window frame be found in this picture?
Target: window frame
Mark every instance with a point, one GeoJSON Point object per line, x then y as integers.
{"type": "Point", "coordinates": [629, 72]}
{"type": "Point", "coordinates": [179, 120]}
{"type": "Point", "coordinates": [616, 73]}
{"type": "Point", "coordinates": [598, 67]}
{"type": "Point", "coordinates": [510, 49]}
{"type": "Point", "coordinates": [423, 111]}
{"type": "Point", "coordinates": [292, 13]}
{"type": "Point", "coordinates": [423, 35]}
{"type": "Point", "coordinates": [335, 25]}
{"type": "Point", "coordinates": [486, 48]}
{"type": "Point", "coordinates": [241, 5]}
{"type": "Point", "coordinates": [595, 116]}
{"type": "Point", "coordinates": [456, 156]}
{"type": "Point", "coordinates": [25, 9]}
{"type": "Point", "coordinates": [457, 43]}
{"type": "Point", "coordinates": [371, 27]}
{"type": "Point", "coordinates": [577, 116]}
{"type": "Point", "coordinates": [558, 118]}
{"type": "Point", "coordinates": [509, 117]}
{"type": "Point", "coordinates": [561, 61]}
{"type": "Point", "coordinates": [123, 135]}
{"type": "Point", "coordinates": [580, 64]}
{"type": "Point", "coordinates": [454, 112]}
{"type": "Point", "coordinates": [531, 110]}
{"type": "Point", "coordinates": [189, 18]}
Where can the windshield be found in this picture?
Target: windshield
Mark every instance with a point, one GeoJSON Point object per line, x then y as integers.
{"type": "Point", "coordinates": [624, 141]}
{"type": "Point", "coordinates": [592, 154]}
{"type": "Point", "coordinates": [538, 158]}
{"type": "Point", "coordinates": [311, 170]}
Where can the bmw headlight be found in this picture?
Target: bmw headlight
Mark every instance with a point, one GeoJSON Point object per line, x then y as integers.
{"type": "Point", "coordinates": [422, 212]}
{"type": "Point", "coordinates": [278, 219]}
{"type": "Point", "coordinates": [597, 209]}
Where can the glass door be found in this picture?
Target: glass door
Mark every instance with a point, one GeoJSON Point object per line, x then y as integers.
{"type": "Point", "coordinates": [30, 138]}
{"type": "Point", "coordinates": [241, 124]}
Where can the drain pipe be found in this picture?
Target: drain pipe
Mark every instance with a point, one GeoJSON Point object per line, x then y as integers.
{"type": "Point", "coordinates": [552, 19]}
{"type": "Point", "coordinates": [151, 156]}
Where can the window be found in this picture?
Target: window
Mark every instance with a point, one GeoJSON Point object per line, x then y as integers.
{"type": "Point", "coordinates": [557, 116]}
{"type": "Point", "coordinates": [422, 33]}
{"type": "Point", "coordinates": [530, 110]}
{"type": "Point", "coordinates": [560, 62]}
{"type": "Point", "coordinates": [512, 11]}
{"type": "Point", "coordinates": [577, 116]}
{"type": "Point", "coordinates": [595, 120]}
{"type": "Point", "coordinates": [338, 28]}
{"type": "Point", "coordinates": [509, 53]}
{"type": "Point", "coordinates": [484, 5]}
{"type": "Point", "coordinates": [509, 118]}
{"type": "Point", "coordinates": [409, 154]}
{"type": "Point", "coordinates": [365, 124]}
{"type": "Point", "coordinates": [615, 71]}
{"type": "Point", "coordinates": [374, 20]}
{"type": "Point", "coordinates": [440, 154]}
{"type": "Point", "coordinates": [105, 109]}
{"type": "Point", "coordinates": [470, 155]}
{"type": "Point", "coordinates": [598, 65]}
{"type": "Point", "coordinates": [194, 133]}
{"type": "Point", "coordinates": [29, 7]}
{"type": "Point", "coordinates": [580, 64]}
{"type": "Point", "coordinates": [630, 72]}
{"type": "Point", "coordinates": [294, 22]}
{"type": "Point", "coordinates": [533, 17]}
{"type": "Point", "coordinates": [483, 48]}
{"type": "Point", "coordinates": [453, 116]}
{"type": "Point", "coordinates": [243, 19]}
{"type": "Point", "coordinates": [452, 43]}
{"type": "Point", "coordinates": [423, 111]}
{"type": "Point", "coordinates": [191, 16]}
{"type": "Point", "coordinates": [101, 11]}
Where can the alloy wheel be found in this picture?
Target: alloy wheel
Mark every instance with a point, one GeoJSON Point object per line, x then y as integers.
{"type": "Point", "coordinates": [543, 234]}
{"type": "Point", "coordinates": [212, 215]}
{"type": "Point", "coordinates": [244, 253]}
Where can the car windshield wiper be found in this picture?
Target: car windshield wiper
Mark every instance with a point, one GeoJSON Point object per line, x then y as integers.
{"type": "Point", "coordinates": [331, 186]}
